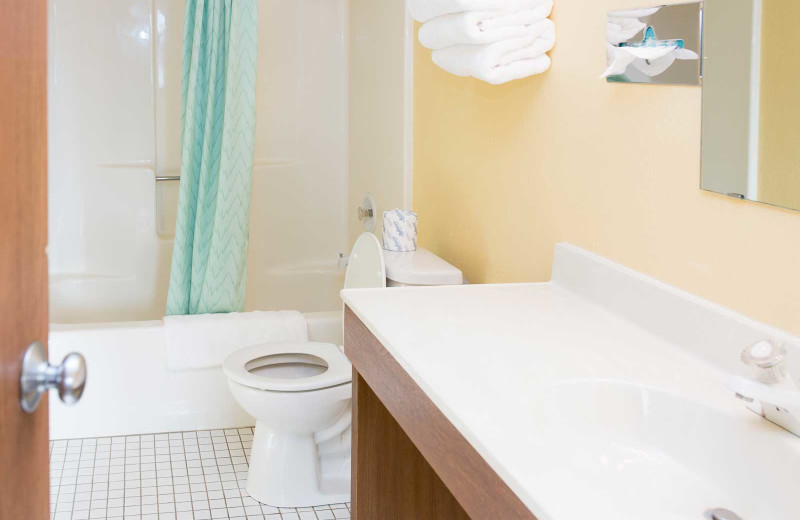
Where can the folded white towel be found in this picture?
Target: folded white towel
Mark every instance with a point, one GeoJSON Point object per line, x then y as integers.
{"type": "Point", "coordinates": [479, 27]}
{"type": "Point", "coordinates": [503, 61]}
{"type": "Point", "coordinates": [426, 10]}
{"type": "Point", "coordinates": [205, 340]}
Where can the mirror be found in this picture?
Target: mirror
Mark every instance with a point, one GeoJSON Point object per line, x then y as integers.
{"type": "Point", "coordinates": [751, 105]}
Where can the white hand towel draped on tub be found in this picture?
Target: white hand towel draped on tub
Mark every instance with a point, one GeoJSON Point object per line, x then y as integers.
{"type": "Point", "coordinates": [479, 27]}
{"type": "Point", "coordinates": [426, 10]}
{"type": "Point", "coordinates": [502, 61]}
{"type": "Point", "coordinates": [205, 340]}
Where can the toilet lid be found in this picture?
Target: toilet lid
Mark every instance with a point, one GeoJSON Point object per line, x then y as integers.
{"type": "Point", "coordinates": [242, 366]}
{"type": "Point", "coordinates": [366, 267]}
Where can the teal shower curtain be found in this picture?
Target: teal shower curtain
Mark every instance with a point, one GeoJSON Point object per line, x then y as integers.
{"type": "Point", "coordinates": [209, 258]}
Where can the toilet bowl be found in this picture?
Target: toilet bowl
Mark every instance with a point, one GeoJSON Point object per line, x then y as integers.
{"type": "Point", "coordinates": [300, 393]}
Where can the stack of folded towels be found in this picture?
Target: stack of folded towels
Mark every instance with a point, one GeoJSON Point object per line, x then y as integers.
{"type": "Point", "coordinates": [496, 41]}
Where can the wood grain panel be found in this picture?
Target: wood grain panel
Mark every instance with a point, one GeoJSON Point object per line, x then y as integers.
{"type": "Point", "coordinates": [392, 480]}
{"type": "Point", "coordinates": [24, 483]}
{"type": "Point", "coordinates": [473, 483]}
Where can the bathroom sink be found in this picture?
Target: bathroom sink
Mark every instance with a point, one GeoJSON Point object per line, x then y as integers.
{"type": "Point", "coordinates": [617, 451]}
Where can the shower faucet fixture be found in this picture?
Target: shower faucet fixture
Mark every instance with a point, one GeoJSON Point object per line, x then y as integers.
{"type": "Point", "coordinates": [366, 212]}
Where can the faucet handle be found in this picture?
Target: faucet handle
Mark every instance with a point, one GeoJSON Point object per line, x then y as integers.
{"type": "Point", "coordinates": [768, 358]}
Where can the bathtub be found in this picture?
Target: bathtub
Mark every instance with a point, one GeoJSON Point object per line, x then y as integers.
{"type": "Point", "coordinates": [96, 298]}
{"type": "Point", "coordinates": [130, 391]}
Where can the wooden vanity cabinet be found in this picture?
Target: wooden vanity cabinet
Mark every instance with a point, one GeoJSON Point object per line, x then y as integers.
{"type": "Point", "coordinates": [408, 461]}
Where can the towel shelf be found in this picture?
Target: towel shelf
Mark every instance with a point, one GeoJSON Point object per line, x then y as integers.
{"type": "Point", "coordinates": [168, 178]}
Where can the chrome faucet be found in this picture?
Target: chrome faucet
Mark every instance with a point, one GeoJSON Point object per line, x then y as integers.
{"type": "Point", "coordinates": [772, 393]}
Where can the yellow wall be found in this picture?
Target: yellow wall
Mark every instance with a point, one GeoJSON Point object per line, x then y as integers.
{"type": "Point", "coordinates": [503, 173]}
{"type": "Point", "coordinates": [779, 153]}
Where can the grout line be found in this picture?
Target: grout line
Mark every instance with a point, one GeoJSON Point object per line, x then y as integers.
{"type": "Point", "coordinates": [124, 469]}
{"type": "Point", "coordinates": [171, 476]}
{"type": "Point", "coordinates": [277, 515]}
{"type": "Point", "coordinates": [205, 482]}
{"type": "Point", "coordinates": [154, 434]}
{"type": "Point", "coordinates": [61, 477]}
{"type": "Point", "coordinates": [155, 477]}
{"type": "Point", "coordinates": [233, 468]}
{"type": "Point", "coordinates": [77, 476]}
{"type": "Point", "coordinates": [139, 451]}
{"type": "Point", "coordinates": [244, 456]}
{"type": "Point", "coordinates": [108, 478]}
{"type": "Point", "coordinates": [91, 483]}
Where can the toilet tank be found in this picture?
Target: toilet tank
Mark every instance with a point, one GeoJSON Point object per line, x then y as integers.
{"type": "Point", "coordinates": [420, 267]}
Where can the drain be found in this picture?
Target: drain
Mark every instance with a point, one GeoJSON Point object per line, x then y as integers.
{"type": "Point", "coordinates": [721, 514]}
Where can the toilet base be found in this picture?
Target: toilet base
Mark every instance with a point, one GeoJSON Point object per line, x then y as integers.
{"type": "Point", "coordinates": [285, 472]}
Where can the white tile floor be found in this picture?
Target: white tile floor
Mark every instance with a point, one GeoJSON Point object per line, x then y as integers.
{"type": "Point", "coordinates": [176, 476]}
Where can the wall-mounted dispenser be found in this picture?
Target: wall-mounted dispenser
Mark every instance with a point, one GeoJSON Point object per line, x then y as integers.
{"type": "Point", "coordinates": [636, 54]}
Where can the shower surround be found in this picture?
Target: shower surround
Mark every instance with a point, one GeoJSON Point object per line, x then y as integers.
{"type": "Point", "coordinates": [333, 122]}
{"type": "Point", "coordinates": [115, 113]}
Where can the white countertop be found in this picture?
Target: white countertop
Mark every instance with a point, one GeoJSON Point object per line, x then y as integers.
{"type": "Point", "coordinates": [484, 353]}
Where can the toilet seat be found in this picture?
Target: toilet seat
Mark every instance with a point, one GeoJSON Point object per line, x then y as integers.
{"type": "Point", "coordinates": [339, 369]}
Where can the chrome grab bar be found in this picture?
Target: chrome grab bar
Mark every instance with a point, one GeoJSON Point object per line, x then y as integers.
{"type": "Point", "coordinates": [168, 178]}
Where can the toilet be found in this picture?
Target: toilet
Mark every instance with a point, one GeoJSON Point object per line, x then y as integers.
{"type": "Point", "coordinates": [300, 393]}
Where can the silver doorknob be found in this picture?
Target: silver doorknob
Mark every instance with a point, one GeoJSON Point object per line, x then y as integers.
{"type": "Point", "coordinates": [39, 376]}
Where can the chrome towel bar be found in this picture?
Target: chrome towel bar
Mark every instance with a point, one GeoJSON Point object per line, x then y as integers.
{"type": "Point", "coordinates": [168, 178]}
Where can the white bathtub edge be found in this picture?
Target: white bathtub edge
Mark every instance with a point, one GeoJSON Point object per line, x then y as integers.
{"type": "Point", "coordinates": [129, 390]}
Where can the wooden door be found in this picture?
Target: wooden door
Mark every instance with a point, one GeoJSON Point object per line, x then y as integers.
{"type": "Point", "coordinates": [24, 480]}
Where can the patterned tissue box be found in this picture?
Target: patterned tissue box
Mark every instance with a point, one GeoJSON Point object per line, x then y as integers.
{"type": "Point", "coordinates": [399, 230]}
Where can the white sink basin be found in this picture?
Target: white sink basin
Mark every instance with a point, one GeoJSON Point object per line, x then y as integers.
{"type": "Point", "coordinates": [600, 395]}
{"type": "Point", "coordinates": [617, 451]}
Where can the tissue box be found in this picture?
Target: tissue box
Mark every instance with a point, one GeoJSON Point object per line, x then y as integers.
{"type": "Point", "coordinates": [399, 230]}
